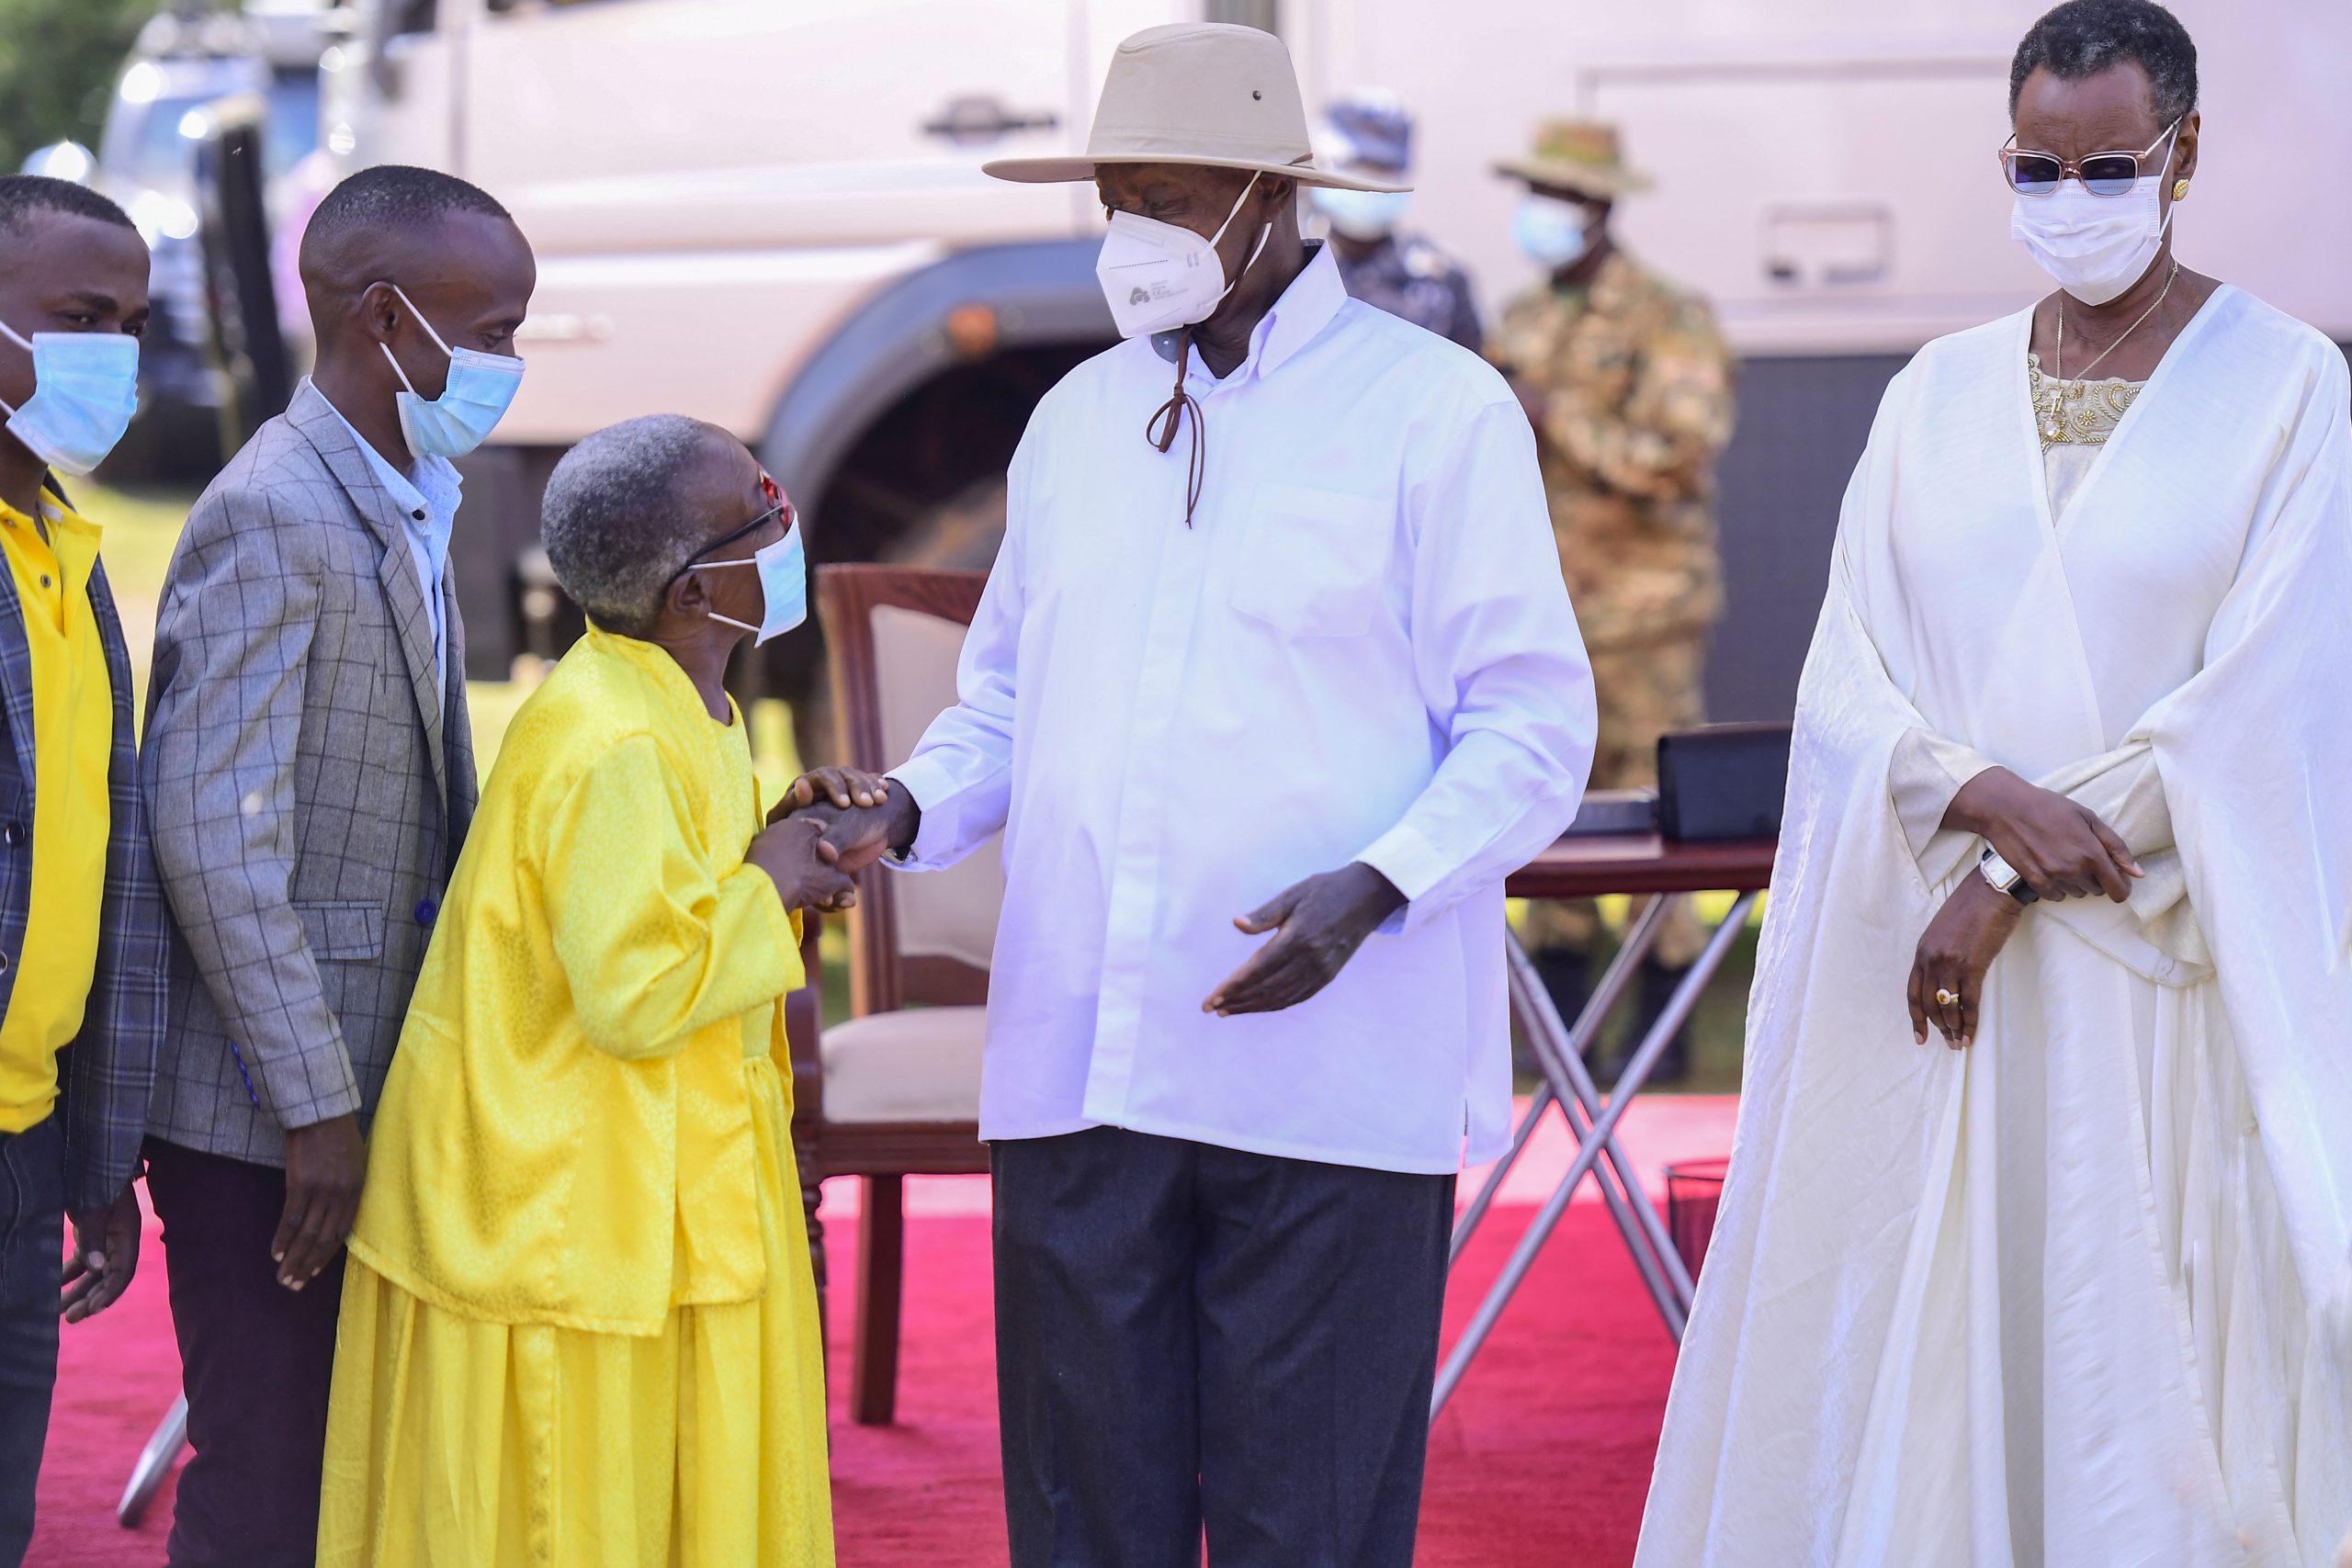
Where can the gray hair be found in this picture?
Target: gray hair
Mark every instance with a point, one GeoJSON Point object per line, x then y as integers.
{"type": "Point", "coordinates": [616, 521]}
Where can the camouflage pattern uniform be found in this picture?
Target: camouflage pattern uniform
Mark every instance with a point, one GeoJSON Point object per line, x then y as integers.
{"type": "Point", "coordinates": [1410, 278]}
{"type": "Point", "coordinates": [1638, 389]}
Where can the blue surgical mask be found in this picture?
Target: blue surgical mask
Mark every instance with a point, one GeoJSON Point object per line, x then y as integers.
{"type": "Point", "coordinates": [479, 389]}
{"type": "Point", "coordinates": [1360, 214]}
{"type": "Point", "coordinates": [85, 388]}
{"type": "Point", "coordinates": [784, 585]}
{"type": "Point", "coordinates": [1551, 231]}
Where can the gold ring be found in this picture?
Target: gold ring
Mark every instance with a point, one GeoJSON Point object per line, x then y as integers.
{"type": "Point", "coordinates": [1946, 1000]}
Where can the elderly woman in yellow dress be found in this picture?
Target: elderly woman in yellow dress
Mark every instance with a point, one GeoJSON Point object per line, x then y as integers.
{"type": "Point", "coordinates": [580, 1326]}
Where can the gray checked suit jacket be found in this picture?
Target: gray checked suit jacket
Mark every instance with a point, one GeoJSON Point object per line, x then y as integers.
{"type": "Point", "coordinates": [103, 1076]}
{"type": "Point", "coordinates": [309, 784]}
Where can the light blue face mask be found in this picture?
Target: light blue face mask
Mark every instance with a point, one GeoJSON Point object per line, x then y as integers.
{"type": "Point", "coordinates": [480, 388]}
{"type": "Point", "coordinates": [784, 586]}
{"type": "Point", "coordinates": [85, 388]}
{"type": "Point", "coordinates": [1360, 214]}
{"type": "Point", "coordinates": [1552, 233]}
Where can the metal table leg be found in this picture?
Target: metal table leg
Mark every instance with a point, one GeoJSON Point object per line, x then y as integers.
{"type": "Point", "coordinates": [1654, 1244]}
{"type": "Point", "coordinates": [154, 1463]}
{"type": "Point", "coordinates": [1590, 1147]}
{"type": "Point", "coordinates": [1574, 1043]}
{"type": "Point", "coordinates": [1637, 1221]}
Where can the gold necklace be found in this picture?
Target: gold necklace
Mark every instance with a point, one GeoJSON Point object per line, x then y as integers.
{"type": "Point", "coordinates": [2053, 425]}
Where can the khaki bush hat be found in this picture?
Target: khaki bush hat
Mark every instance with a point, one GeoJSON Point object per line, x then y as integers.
{"type": "Point", "coordinates": [1206, 92]}
{"type": "Point", "coordinates": [1581, 155]}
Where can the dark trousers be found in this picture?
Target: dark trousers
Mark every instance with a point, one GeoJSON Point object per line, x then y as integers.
{"type": "Point", "coordinates": [1195, 1340]}
{"type": "Point", "coordinates": [254, 1359]}
{"type": "Point", "coordinates": [32, 1252]}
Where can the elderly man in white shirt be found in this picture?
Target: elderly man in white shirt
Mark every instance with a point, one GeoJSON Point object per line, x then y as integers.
{"type": "Point", "coordinates": [1294, 665]}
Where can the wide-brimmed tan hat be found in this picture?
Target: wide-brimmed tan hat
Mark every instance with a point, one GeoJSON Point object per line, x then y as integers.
{"type": "Point", "coordinates": [1206, 92]}
{"type": "Point", "coordinates": [1581, 155]}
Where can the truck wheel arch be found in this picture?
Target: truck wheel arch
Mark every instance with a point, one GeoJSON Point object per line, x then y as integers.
{"type": "Point", "coordinates": [1040, 293]}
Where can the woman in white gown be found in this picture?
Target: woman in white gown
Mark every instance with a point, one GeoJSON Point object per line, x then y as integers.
{"type": "Point", "coordinates": [2077, 1289]}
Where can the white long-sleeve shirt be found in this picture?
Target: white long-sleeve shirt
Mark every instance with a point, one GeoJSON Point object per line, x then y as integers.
{"type": "Point", "coordinates": [1360, 650]}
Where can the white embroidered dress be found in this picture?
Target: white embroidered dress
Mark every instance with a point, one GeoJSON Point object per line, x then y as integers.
{"type": "Point", "coordinates": [2081, 1296]}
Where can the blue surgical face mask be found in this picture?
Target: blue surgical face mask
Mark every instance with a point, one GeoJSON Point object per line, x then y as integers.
{"type": "Point", "coordinates": [479, 389]}
{"type": "Point", "coordinates": [784, 585]}
{"type": "Point", "coordinates": [1360, 214]}
{"type": "Point", "coordinates": [1551, 231]}
{"type": "Point", "coordinates": [85, 388]}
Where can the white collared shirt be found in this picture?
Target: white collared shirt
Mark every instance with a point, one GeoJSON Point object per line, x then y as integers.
{"type": "Point", "coordinates": [428, 507]}
{"type": "Point", "coordinates": [1360, 650]}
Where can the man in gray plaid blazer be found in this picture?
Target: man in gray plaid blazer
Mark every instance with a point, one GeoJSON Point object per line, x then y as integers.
{"type": "Point", "coordinates": [81, 916]}
{"type": "Point", "coordinates": [310, 774]}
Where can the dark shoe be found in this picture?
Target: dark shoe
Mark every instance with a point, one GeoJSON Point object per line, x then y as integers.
{"type": "Point", "coordinates": [1567, 974]}
{"type": "Point", "coordinates": [1655, 993]}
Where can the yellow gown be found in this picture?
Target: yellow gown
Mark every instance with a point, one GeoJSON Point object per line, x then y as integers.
{"type": "Point", "coordinates": [579, 1324]}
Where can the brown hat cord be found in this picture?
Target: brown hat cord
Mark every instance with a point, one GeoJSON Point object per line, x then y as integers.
{"type": "Point", "coordinates": [1160, 430]}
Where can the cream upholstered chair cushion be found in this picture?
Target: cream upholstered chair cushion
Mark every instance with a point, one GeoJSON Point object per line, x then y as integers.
{"type": "Point", "coordinates": [916, 1064]}
{"type": "Point", "coordinates": [919, 1064]}
{"type": "Point", "coordinates": [941, 914]}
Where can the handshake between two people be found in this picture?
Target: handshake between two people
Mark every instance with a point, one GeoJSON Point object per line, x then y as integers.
{"type": "Point", "coordinates": [836, 822]}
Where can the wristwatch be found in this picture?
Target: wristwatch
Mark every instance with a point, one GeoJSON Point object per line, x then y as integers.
{"type": "Point", "coordinates": [2003, 877]}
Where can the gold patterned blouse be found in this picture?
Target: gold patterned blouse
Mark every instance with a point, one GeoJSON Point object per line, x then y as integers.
{"type": "Point", "coordinates": [2084, 414]}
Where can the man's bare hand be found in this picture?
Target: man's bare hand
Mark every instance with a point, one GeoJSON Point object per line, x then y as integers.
{"type": "Point", "coordinates": [856, 836]}
{"type": "Point", "coordinates": [1318, 926]}
{"type": "Point", "coordinates": [326, 1163]}
{"type": "Point", "coordinates": [106, 1255]}
{"type": "Point", "coordinates": [2061, 848]}
{"type": "Point", "coordinates": [843, 787]}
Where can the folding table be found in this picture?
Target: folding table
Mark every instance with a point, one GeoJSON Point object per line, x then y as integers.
{"type": "Point", "coordinates": [1589, 867]}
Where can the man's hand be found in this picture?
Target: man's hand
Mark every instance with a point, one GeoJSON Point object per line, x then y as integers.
{"type": "Point", "coordinates": [1318, 926]}
{"type": "Point", "coordinates": [845, 787]}
{"type": "Point", "coordinates": [325, 1165]}
{"type": "Point", "coordinates": [856, 836]}
{"type": "Point", "coordinates": [791, 852]}
{"type": "Point", "coordinates": [106, 1255]}
{"type": "Point", "coordinates": [2061, 848]}
{"type": "Point", "coordinates": [1959, 945]}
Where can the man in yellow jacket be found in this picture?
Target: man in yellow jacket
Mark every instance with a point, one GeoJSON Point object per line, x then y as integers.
{"type": "Point", "coordinates": [579, 1275]}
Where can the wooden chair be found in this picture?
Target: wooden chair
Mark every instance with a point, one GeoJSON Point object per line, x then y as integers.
{"type": "Point", "coordinates": [896, 1090]}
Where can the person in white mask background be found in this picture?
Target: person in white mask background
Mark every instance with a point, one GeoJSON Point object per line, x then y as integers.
{"type": "Point", "coordinates": [1629, 386]}
{"type": "Point", "coordinates": [1369, 133]}
{"type": "Point", "coordinates": [1240, 1039]}
{"type": "Point", "coordinates": [81, 923]}
{"type": "Point", "coordinates": [310, 772]}
{"type": "Point", "coordinates": [2037, 1242]}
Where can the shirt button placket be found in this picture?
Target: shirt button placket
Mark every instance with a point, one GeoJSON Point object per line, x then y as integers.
{"type": "Point", "coordinates": [1143, 809]}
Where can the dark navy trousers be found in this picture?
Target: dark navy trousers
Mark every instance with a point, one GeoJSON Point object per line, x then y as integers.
{"type": "Point", "coordinates": [32, 1262]}
{"type": "Point", "coordinates": [1197, 1343]}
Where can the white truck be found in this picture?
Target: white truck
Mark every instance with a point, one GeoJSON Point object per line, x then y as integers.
{"type": "Point", "coordinates": [770, 214]}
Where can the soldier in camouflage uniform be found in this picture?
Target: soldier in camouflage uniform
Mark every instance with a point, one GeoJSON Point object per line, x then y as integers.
{"type": "Point", "coordinates": [1370, 134]}
{"type": "Point", "coordinates": [1628, 387]}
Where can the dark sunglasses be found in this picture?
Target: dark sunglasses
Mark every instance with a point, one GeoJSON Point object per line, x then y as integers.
{"type": "Point", "coordinates": [778, 504]}
{"type": "Point", "coordinates": [2102, 173]}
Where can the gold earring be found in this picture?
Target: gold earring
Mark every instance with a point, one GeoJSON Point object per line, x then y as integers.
{"type": "Point", "coordinates": [2180, 190]}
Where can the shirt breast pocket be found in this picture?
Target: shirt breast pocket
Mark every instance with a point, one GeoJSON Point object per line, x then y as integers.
{"type": "Point", "coordinates": [1315, 561]}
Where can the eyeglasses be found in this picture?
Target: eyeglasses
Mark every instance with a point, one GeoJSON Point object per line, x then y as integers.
{"type": "Point", "coordinates": [2102, 173]}
{"type": "Point", "coordinates": [778, 504]}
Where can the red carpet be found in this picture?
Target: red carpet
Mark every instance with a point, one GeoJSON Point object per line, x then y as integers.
{"type": "Point", "coordinates": [1541, 1459]}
